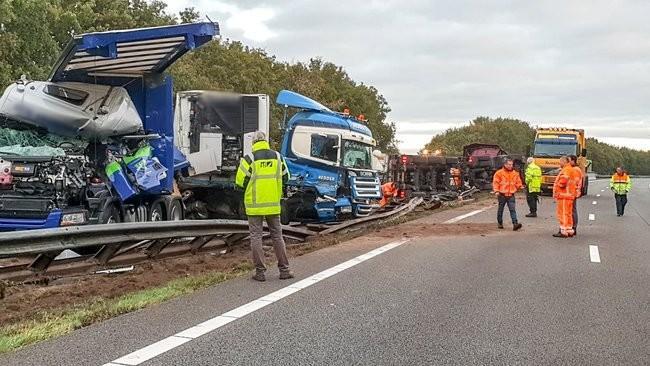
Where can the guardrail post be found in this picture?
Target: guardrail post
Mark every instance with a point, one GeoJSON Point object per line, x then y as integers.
{"type": "Point", "coordinates": [42, 261]}
{"type": "Point", "coordinates": [156, 247]}
{"type": "Point", "coordinates": [197, 243]}
{"type": "Point", "coordinates": [106, 253]}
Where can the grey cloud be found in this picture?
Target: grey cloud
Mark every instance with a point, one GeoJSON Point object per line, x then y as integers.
{"type": "Point", "coordinates": [579, 63]}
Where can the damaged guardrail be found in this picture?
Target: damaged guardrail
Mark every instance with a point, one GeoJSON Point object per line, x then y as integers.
{"type": "Point", "coordinates": [136, 242]}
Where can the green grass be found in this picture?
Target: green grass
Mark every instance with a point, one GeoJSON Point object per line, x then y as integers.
{"type": "Point", "coordinates": [53, 324]}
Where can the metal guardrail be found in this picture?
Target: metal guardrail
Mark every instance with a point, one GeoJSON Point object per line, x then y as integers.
{"type": "Point", "coordinates": [32, 242]}
{"type": "Point", "coordinates": [102, 244]}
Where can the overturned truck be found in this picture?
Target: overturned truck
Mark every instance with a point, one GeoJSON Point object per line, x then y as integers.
{"type": "Point", "coordinates": [429, 176]}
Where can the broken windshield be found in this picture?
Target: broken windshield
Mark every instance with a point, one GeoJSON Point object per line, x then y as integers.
{"type": "Point", "coordinates": [356, 155]}
{"type": "Point", "coordinates": [22, 139]}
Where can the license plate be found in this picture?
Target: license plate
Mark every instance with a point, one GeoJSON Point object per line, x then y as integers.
{"type": "Point", "coordinates": [19, 169]}
{"type": "Point", "coordinates": [346, 209]}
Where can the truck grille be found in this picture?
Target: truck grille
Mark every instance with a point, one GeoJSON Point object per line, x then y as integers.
{"type": "Point", "coordinates": [25, 208]}
{"type": "Point", "coordinates": [365, 187]}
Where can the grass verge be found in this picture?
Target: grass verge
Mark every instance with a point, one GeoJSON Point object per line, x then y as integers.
{"type": "Point", "coordinates": [57, 323]}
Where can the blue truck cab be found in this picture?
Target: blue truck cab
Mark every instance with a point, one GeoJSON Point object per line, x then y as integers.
{"type": "Point", "coordinates": [96, 140]}
{"type": "Point", "coordinates": [329, 156]}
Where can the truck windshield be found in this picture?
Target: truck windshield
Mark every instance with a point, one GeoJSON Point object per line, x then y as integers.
{"type": "Point", "coordinates": [356, 155]}
{"type": "Point", "coordinates": [17, 138]}
{"type": "Point", "coordinates": [555, 150]}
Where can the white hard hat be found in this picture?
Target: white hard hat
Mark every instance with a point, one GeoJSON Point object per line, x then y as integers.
{"type": "Point", "coordinates": [530, 160]}
{"type": "Point", "coordinates": [258, 136]}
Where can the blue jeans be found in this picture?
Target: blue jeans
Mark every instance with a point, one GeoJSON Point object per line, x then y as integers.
{"type": "Point", "coordinates": [510, 201]}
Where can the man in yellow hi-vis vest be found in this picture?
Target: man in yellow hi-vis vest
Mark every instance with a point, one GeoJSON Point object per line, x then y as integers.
{"type": "Point", "coordinates": [262, 176]}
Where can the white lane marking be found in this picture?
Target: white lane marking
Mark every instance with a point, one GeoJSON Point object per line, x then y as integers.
{"type": "Point", "coordinates": [598, 195]}
{"type": "Point", "coordinates": [458, 218]}
{"type": "Point", "coordinates": [592, 217]}
{"type": "Point", "coordinates": [151, 351]}
{"type": "Point", "coordinates": [593, 203]}
{"type": "Point", "coordinates": [169, 343]}
{"type": "Point", "coordinates": [593, 254]}
{"type": "Point", "coordinates": [602, 190]}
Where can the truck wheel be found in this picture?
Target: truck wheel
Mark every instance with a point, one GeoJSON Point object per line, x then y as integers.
{"type": "Point", "coordinates": [110, 216]}
{"type": "Point", "coordinates": [175, 211]}
{"type": "Point", "coordinates": [285, 218]}
{"type": "Point", "coordinates": [156, 212]}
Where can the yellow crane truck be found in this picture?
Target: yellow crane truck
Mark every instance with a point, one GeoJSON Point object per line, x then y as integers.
{"type": "Point", "coordinates": [551, 144]}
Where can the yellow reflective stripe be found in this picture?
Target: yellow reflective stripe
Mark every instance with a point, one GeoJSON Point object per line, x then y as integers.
{"type": "Point", "coordinates": [244, 170]}
{"type": "Point", "coordinates": [260, 205]}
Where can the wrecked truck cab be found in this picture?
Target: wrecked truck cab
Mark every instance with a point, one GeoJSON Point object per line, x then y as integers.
{"type": "Point", "coordinates": [72, 109]}
{"type": "Point", "coordinates": [109, 89]}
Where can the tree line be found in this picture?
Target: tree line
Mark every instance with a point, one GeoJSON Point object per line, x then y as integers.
{"type": "Point", "coordinates": [516, 137]}
{"type": "Point", "coordinates": [33, 33]}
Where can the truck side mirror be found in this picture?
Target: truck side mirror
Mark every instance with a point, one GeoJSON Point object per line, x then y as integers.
{"type": "Point", "coordinates": [584, 152]}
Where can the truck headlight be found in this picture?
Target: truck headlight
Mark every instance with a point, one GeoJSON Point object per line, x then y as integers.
{"type": "Point", "coordinates": [345, 209]}
{"type": "Point", "coordinates": [73, 218]}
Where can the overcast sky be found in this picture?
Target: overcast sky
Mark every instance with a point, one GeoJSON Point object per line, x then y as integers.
{"type": "Point", "coordinates": [582, 64]}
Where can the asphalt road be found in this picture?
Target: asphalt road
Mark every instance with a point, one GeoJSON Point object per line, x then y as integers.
{"type": "Point", "coordinates": [497, 298]}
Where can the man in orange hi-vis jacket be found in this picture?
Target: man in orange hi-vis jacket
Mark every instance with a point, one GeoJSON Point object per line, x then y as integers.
{"type": "Point", "coordinates": [505, 184]}
{"type": "Point", "coordinates": [389, 190]}
{"type": "Point", "coordinates": [564, 192]}
{"type": "Point", "coordinates": [578, 179]}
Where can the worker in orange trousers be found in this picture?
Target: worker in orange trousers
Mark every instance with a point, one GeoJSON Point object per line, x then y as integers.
{"type": "Point", "coordinates": [389, 190]}
{"type": "Point", "coordinates": [564, 192]}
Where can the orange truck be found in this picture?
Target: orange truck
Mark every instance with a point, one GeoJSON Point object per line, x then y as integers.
{"type": "Point", "coordinates": [552, 143]}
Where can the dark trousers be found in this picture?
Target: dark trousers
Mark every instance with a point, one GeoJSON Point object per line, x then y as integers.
{"type": "Point", "coordinates": [621, 201]}
{"type": "Point", "coordinates": [532, 198]}
{"type": "Point", "coordinates": [256, 228]}
{"type": "Point", "coordinates": [575, 214]}
{"type": "Point", "coordinates": [503, 201]}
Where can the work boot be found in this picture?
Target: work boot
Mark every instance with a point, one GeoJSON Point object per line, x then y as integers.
{"type": "Point", "coordinates": [532, 215]}
{"type": "Point", "coordinates": [516, 226]}
{"type": "Point", "coordinates": [259, 276]}
{"type": "Point", "coordinates": [500, 226]}
{"type": "Point", "coordinates": [286, 275]}
{"type": "Point", "coordinates": [558, 235]}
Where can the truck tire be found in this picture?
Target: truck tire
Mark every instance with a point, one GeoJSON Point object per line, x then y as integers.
{"type": "Point", "coordinates": [285, 217]}
{"type": "Point", "coordinates": [156, 212]}
{"type": "Point", "coordinates": [110, 215]}
{"type": "Point", "coordinates": [175, 210]}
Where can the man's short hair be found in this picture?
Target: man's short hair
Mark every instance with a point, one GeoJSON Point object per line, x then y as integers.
{"type": "Point", "coordinates": [573, 158]}
{"type": "Point", "coordinates": [258, 136]}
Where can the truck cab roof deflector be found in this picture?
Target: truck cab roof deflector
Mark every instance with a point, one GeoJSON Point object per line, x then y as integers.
{"type": "Point", "coordinates": [129, 53]}
{"type": "Point", "coordinates": [293, 99]}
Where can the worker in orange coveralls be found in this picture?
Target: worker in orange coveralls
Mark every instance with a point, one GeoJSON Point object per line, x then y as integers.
{"type": "Point", "coordinates": [456, 180]}
{"type": "Point", "coordinates": [389, 190]}
{"type": "Point", "coordinates": [564, 192]}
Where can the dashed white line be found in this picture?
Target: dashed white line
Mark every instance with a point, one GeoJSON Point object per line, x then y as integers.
{"type": "Point", "coordinates": [592, 217]}
{"type": "Point", "coordinates": [458, 218]}
{"type": "Point", "coordinates": [594, 202]}
{"type": "Point", "coordinates": [602, 190]}
{"type": "Point", "coordinates": [178, 339]}
{"type": "Point", "coordinates": [593, 254]}
{"type": "Point", "coordinates": [598, 195]}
